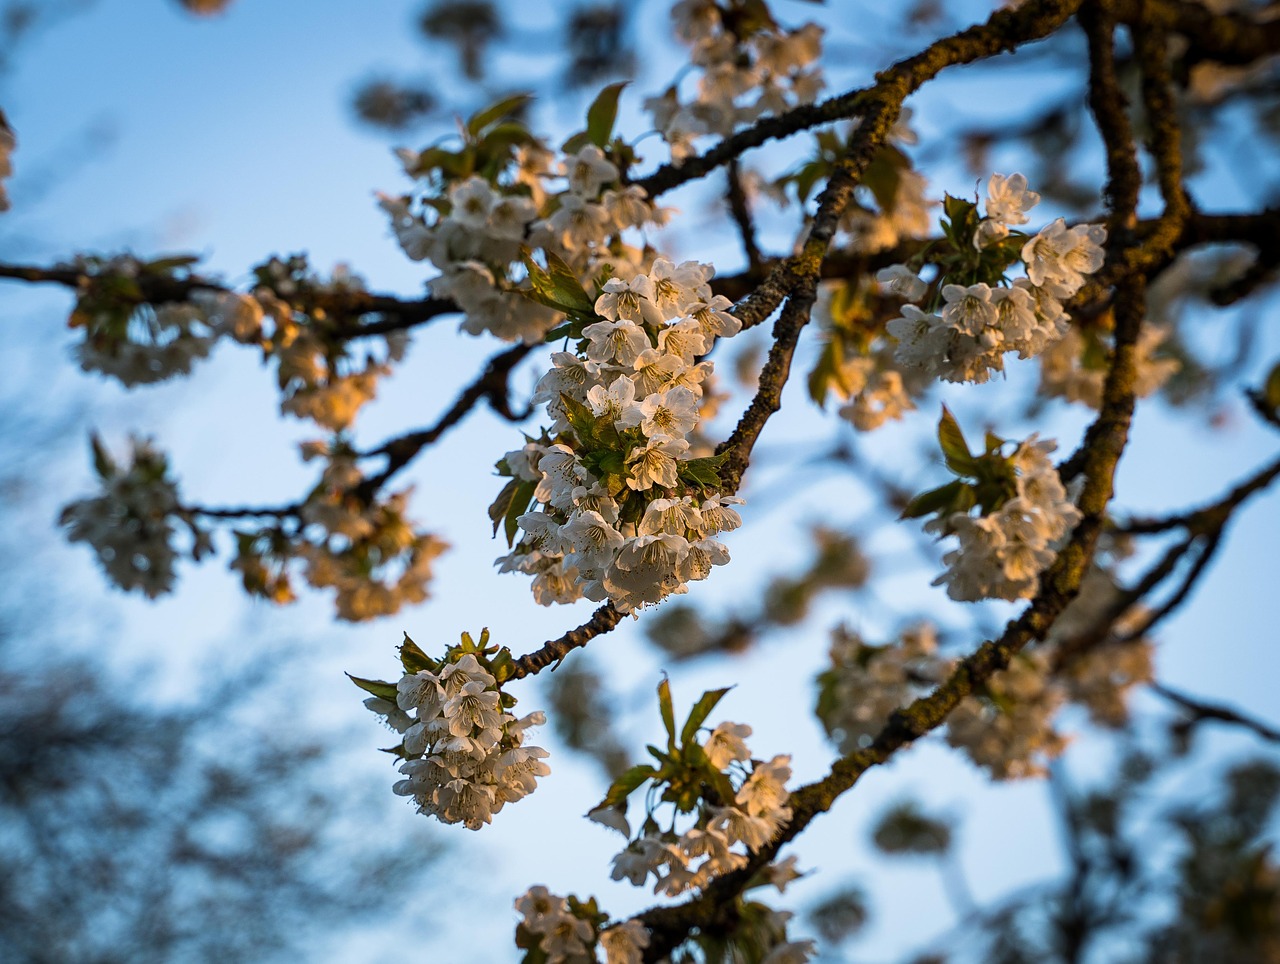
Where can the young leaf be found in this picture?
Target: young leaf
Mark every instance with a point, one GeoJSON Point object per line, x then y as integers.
{"type": "Point", "coordinates": [384, 691]}
{"type": "Point", "coordinates": [602, 113]}
{"type": "Point", "coordinates": [502, 504]}
{"type": "Point", "coordinates": [414, 659]}
{"type": "Point", "coordinates": [583, 421]}
{"type": "Point", "coordinates": [518, 507]}
{"type": "Point", "coordinates": [567, 288]}
{"type": "Point", "coordinates": [927, 503]}
{"type": "Point", "coordinates": [701, 710]}
{"type": "Point", "coordinates": [954, 447]}
{"type": "Point", "coordinates": [499, 110]}
{"type": "Point", "coordinates": [622, 787]}
{"type": "Point", "coordinates": [668, 712]}
{"type": "Point", "coordinates": [704, 472]}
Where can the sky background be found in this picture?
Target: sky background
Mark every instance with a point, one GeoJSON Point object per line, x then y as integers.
{"type": "Point", "coordinates": [141, 128]}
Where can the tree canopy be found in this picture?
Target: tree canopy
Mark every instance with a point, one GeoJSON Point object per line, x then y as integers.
{"type": "Point", "coordinates": [880, 302]}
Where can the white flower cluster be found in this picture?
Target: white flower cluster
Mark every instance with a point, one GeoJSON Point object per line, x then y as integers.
{"type": "Point", "coordinates": [320, 377]}
{"type": "Point", "coordinates": [131, 524]}
{"type": "Point", "coordinates": [748, 67]}
{"type": "Point", "coordinates": [874, 391]}
{"type": "Point", "coordinates": [474, 229]}
{"type": "Point", "coordinates": [865, 684]}
{"type": "Point", "coordinates": [965, 334]}
{"type": "Point", "coordinates": [625, 513]}
{"type": "Point", "coordinates": [465, 755]}
{"type": "Point", "coordinates": [568, 938]}
{"type": "Point", "coordinates": [1009, 730]}
{"type": "Point", "coordinates": [1101, 675]}
{"type": "Point", "coordinates": [136, 342]}
{"type": "Point", "coordinates": [1002, 553]}
{"type": "Point", "coordinates": [747, 821]}
{"type": "Point", "coordinates": [364, 547]}
{"type": "Point", "coordinates": [1075, 367]}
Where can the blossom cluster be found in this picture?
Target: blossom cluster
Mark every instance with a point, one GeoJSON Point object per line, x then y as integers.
{"type": "Point", "coordinates": [1024, 515]}
{"type": "Point", "coordinates": [866, 683]}
{"type": "Point", "coordinates": [1010, 726]}
{"type": "Point", "coordinates": [1075, 367]}
{"type": "Point", "coordinates": [747, 66]}
{"type": "Point", "coordinates": [565, 930]}
{"type": "Point", "coordinates": [362, 546]}
{"type": "Point", "coordinates": [478, 226]}
{"type": "Point", "coordinates": [975, 314]}
{"type": "Point", "coordinates": [621, 510]}
{"type": "Point", "coordinates": [735, 805]}
{"type": "Point", "coordinates": [464, 755]}
{"type": "Point", "coordinates": [130, 525]}
{"type": "Point", "coordinates": [1009, 730]}
{"type": "Point", "coordinates": [139, 341]}
{"type": "Point", "coordinates": [1002, 552]}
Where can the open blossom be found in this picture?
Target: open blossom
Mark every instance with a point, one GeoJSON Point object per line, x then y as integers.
{"type": "Point", "coordinates": [625, 943]}
{"type": "Point", "coordinates": [1008, 199]}
{"type": "Point", "coordinates": [1063, 255]}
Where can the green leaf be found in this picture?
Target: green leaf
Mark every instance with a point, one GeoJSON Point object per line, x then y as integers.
{"type": "Point", "coordinates": [935, 500]}
{"type": "Point", "coordinates": [168, 265]}
{"type": "Point", "coordinates": [414, 659]}
{"type": "Point", "coordinates": [622, 787]}
{"type": "Point", "coordinates": [518, 507]}
{"type": "Point", "coordinates": [883, 176]}
{"type": "Point", "coordinates": [384, 691]}
{"type": "Point", "coordinates": [583, 421]}
{"type": "Point", "coordinates": [954, 447]}
{"type": "Point", "coordinates": [504, 136]}
{"type": "Point", "coordinates": [602, 113]}
{"type": "Point", "coordinates": [566, 286]}
{"type": "Point", "coordinates": [668, 712]}
{"type": "Point", "coordinates": [498, 110]}
{"type": "Point", "coordinates": [704, 471]}
{"type": "Point", "coordinates": [824, 373]}
{"type": "Point", "coordinates": [556, 286]}
{"type": "Point", "coordinates": [958, 210]}
{"type": "Point", "coordinates": [701, 710]}
{"type": "Point", "coordinates": [103, 463]}
{"type": "Point", "coordinates": [498, 510]}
